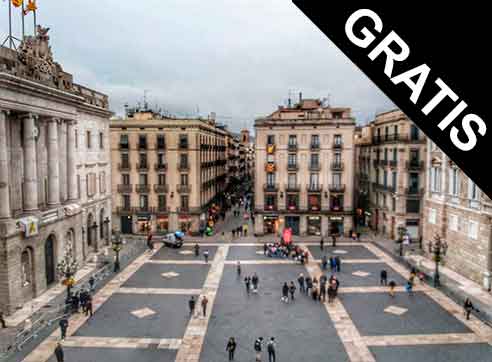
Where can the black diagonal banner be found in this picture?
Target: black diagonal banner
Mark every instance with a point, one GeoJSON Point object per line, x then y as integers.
{"type": "Point", "coordinates": [430, 61]}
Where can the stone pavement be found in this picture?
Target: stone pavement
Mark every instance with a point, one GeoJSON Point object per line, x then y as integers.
{"type": "Point", "coordinates": [143, 314]}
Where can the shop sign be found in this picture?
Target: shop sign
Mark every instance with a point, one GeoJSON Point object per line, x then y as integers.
{"type": "Point", "coordinates": [336, 218]}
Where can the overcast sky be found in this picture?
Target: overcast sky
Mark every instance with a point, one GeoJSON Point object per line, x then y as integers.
{"type": "Point", "coordinates": [238, 58]}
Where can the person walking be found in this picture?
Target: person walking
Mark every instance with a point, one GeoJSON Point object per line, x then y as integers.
{"type": "Point", "coordinates": [247, 282]}
{"type": "Point", "coordinates": [59, 353]}
{"type": "Point", "coordinates": [233, 233]}
{"type": "Point", "coordinates": [338, 263]}
{"type": "Point", "coordinates": [2, 321]}
{"type": "Point", "coordinates": [383, 280]}
{"type": "Point", "coordinates": [192, 304]}
{"type": "Point", "coordinates": [197, 250]}
{"type": "Point", "coordinates": [285, 293]}
{"type": "Point", "coordinates": [300, 280]}
{"type": "Point", "coordinates": [333, 264]}
{"type": "Point", "coordinates": [333, 240]}
{"type": "Point", "coordinates": [205, 256]}
{"type": "Point", "coordinates": [63, 327]}
{"type": "Point", "coordinates": [331, 292]}
{"type": "Point", "coordinates": [392, 286]}
{"type": "Point", "coordinates": [245, 229]}
{"type": "Point", "coordinates": [238, 268]}
{"type": "Point", "coordinates": [309, 285]}
{"type": "Point", "coordinates": [292, 290]}
{"type": "Point", "coordinates": [409, 287]}
{"type": "Point", "coordinates": [265, 249]}
{"type": "Point", "coordinates": [271, 349]}
{"type": "Point", "coordinates": [322, 288]}
{"type": "Point", "coordinates": [92, 283]}
{"type": "Point", "coordinates": [324, 262]}
{"type": "Point", "coordinates": [231, 347]}
{"type": "Point", "coordinates": [258, 346]}
{"type": "Point", "coordinates": [150, 244]}
{"type": "Point", "coordinates": [468, 307]}
{"type": "Point", "coordinates": [88, 306]}
{"type": "Point", "coordinates": [75, 303]}
{"type": "Point", "coordinates": [322, 243]}
{"type": "Point", "coordinates": [204, 305]}
{"type": "Point", "coordinates": [255, 281]}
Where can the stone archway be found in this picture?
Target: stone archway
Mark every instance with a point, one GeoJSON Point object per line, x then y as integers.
{"type": "Point", "coordinates": [49, 260]}
{"type": "Point", "coordinates": [27, 273]}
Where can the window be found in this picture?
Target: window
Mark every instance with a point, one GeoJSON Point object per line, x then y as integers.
{"type": "Point", "coordinates": [414, 133]}
{"type": "Point", "coordinates": [453, 222]}
{"type": "Point", "coordinates": [394, 180]}
{"type": "Point", "coordinates": [338, 139]}
{"type": "Point", "coordinates": [337, 179]}
{"type": "Point", "coordinates": [314, 202]}
{"type": "Point", "coordinates": [453, 182]}
{"type": "Point", "coordinates": [142, 141]}
{"type": "Point", "coordinates": [393, 204]}
{"type": "Point", "coordinates": [76, 139]}
{"type": "Point", "coordinates": [126, 201]}
{"type": "Point", "coordinates": [270, 179]}
{"type": "Point", "coordinates": [144, 202]}
{"type": "Point", "coordinates": [314, 180]}
{"type": "Point", "coordinates": [413, 206]}
{"type": "Point", "coordinates": [337, 158]}
{"type": "Point", "coordinates": [184, 202]}
{"type": "Point", "coordinates": [432, 216]}
{"type": "Point", "coordinates": [91, 180]}
{"type": "Point", "coordinates": [270, 202]}
{"type": "Point", "coordinates": [292, 140]}
{"type": "Point", "coordinates": [386, 154]}
{"type": "Point", "coordinates": [143, 160]}
{"type": "Point", "coordinates": [184, 179]}
{"type": "Point", "coordinates": [315, 141]}
{"type": "Point", "coordinates": [142, 179]}
{"type": "Point", "coordinates": [292, 201]}
{"type": "Point", "coordinates": [101, 140]}
{"type": "Point", "coordinates": [124, 141]}
{"type": "Point", "coordinates": [102, 182]}
{"type": "Point", "coordinates": [473, 230]}
{"type": "Point", "coordinates": [125, 179]}
{"type": "Point", "coordinates": [125, 163]}
{"type": "Point", "coordinates": [162, 202]}
{"type": "Point", "coordinates": [414, 156]}
{"type": "Point", "coordinates": [314, 160]}
{"type": "Point", "coordinates": [385, 178]}
{"type": "Point", "coordinates": [161, 142]}
{"type": "Point", "coordinates": [88, 139]}
{"type": "Point", "coordinates": [435, 179]}
{"type": "Point", "coordinates": [413, 182]}
{"type": "Point", "coordinates": [161, 161]}
{"type": "Point", "coordinates": [26, 267]}
{"type": "Point", "coordinates": [183, 141]}
{"type": "Point", "coordinates": [386, 133]}
{"type": "Point", "coordinates": [161, 179]}
{"type": "Point", "coordinates": [183, 160]}
{"type": "Point", "coordinates": [270, 139]}
{"type": "Point", "coordinates": [292, 180]}
{"type": "Point", "coordinates": [473, 194]}
{"type": "Point", "coordinates": [395, 154]}
{"type": "Point", "coordinates": [292, 160]}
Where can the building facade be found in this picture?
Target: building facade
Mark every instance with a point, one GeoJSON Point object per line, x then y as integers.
{"type": "Point", "coordinates": [461, 214]}
{"type": "Point", "coordinates": [391, 154]}
{"type": "Point", "coordinates": [54, 170]}
{"type": "Point", "coordinates": [165, 171]}
{"type": "Point", "coordinates": [304, 170]}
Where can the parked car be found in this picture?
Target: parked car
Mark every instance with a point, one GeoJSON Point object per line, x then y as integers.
{"type": "Point", "coordinates": [171, 240]}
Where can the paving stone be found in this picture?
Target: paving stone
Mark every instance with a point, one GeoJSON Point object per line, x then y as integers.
{"type": "Point", "coordinates": [424, 316]}
{"type": "Point", "coordinates": [142, 313]}
{"type": "Point", "coordinates": [114, 318]}
{"type": "Point", "coordinates": [169, 276]}
{"type": "Point", "coordinates": [479, 352]}
{"type": "Point", "coordinates": [77, 354]}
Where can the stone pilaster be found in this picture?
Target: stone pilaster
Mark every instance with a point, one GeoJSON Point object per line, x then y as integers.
{"type": "Point", "coordinates": [53, 163]}
{"type": "Point", "coordinates": [30, 166]}
{"type": "Point", "coordinates": [4, 168]}
{"type": "Point", "coordinates": [71, 162]}
{"type": "Point", "coordinates": [63, 161]}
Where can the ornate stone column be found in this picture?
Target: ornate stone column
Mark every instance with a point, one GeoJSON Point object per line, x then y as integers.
{"type": "Point", "coordinates": [4, 168]}
{"type": "Point", "coordinates": [63, 161]}
{"type": "Point", "coordinates": [71, 162]}
{"type": "Point", "coordinates": [53, 159]}
{"type": "Point", "coordinates": [30, 167]}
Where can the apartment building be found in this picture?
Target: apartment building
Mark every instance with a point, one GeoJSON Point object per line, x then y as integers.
{"type": "Point", "coordinates": [458, 211]}
{"type": "Point", "coordinates": [391, 155]}
{"type": "Point", "coordinates": [166, 172]}
{"type": "Point", "coordinates": [54, 170]}
{"type": "Point", "coordinates": [304, 169]}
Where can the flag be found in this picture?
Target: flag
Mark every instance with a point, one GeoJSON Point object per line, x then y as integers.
{"type": "Point", "coordinates": [17, 3]}
{"type": "Point", "coordinates": [31, 6]}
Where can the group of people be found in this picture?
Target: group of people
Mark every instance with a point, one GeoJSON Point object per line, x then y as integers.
{"type": "Point", "coordinates": [192, 305]}
{"type": "Point", "coordinates": [271, 348]}
{"type": "Point", "coordinates": [206, 253]}
{"type": "Point", "coordinates": [81, 299]}
{"type": "Point", "coordinates": [251, 283]}
{"type": "Point", "coordinates": [335, 263]}
{"type": "Point", "coordinates": [319, 289]}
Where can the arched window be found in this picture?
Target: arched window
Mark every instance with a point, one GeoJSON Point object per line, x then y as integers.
{"type": "Point", "coordinates": [26, 267]}
{"type": "Point", "coordinates": [101, 224]}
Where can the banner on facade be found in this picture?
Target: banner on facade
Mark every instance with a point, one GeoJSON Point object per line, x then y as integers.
{"type": "Point", "coordinates": [29, 225]}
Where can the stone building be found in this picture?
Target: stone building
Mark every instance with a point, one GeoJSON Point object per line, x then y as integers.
{"type": "Point", "coordinates": [304, 169]}
{"type": "Point", "coordinates": [166, 172]}
{"type": "Point", "coordinates": [54, 170]}
{"type": "Point", "coordinates": [458, 211]}
{"type": "Point", "coordinates": [391, 155]}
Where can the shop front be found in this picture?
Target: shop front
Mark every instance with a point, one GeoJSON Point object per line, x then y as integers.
{"type": "Point", "coordinates": [270, 224]}
{"type": "Point", "coordinates": [126, 224]}
{"type": "Point", "coordinates": [336, 225]}
{"type": "Point", "coordinates": [184, 223]}
{"type": "Point", "coordinates": [293, 223]}
{"type": "Point", "coordinates": [314, 225]}
{"type": "Point", "coordinates": [162, 223]}
{"type": "Point", "coordinates": [143, 223]}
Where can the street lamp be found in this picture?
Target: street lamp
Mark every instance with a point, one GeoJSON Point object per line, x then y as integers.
{"type": "Point", "coordinates": [438, 248]}
{"type": "Point", "coordinates": [117, 246]}
{"type": "Point", "coordinates": [67, 267]}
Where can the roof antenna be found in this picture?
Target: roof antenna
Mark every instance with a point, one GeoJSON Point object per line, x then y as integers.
{"type": "Point", "coordinates": [146, 106]}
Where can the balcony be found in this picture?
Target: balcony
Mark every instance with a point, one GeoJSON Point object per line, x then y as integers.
{"type": "Point", "coordinates": [142, 145]}
{"type": "Point", "coordinates": [270, 208]}
{"type": "Point", "coordinates": [383, 163]}
{"type": "Point", "coordinates": [142, 188]}
{"type": "Point", "coordinates": [183, 145]}
{"type": "Point", "coordinates": [314, 188]}
{"type": "Point", "coordinates": [337, 188]}
{"type": "Point", "coordinates": [270, 187]}
{"type": "Point", "coordinates": [142, 166]}
{"type": "Point", "coordinates": [183, 189]}
{"type": "Point", "coordinates": [160, 166]}
{"type": "Point", "coordinates": [292, 147]}
{"type": "Point", "coordinates": [393, 163]}
{"type": "Point", "coordinates": [292, 207]}
{"type": "Point", "coordinates": [123, 210]}
{"type": "Point", "coordinates": [414, 165]}
{"type": "Point", "coordinates": [314, 167]}
{"type": "Point", "coordinates": [125, 188]}
{"type": "Point", "coordinates": [183, 167]}
{"type": "Point", "coordinates": [337, 166]}
{"type": "Point", "coordinates": [162, 209]}
{"type": "Point", "coordinates": [161, 146]}
{"type": "Point", "coordinates": [183, 209]}
{"type": "Point", "coordinates": [292, 167]}
{"type": "Point", "coordinates": [337, 145]}
{"type": "Point", "coordinates": [161, 189]}
{"type": "Point", "coordinates": [414, 191]}
{"type": "Point", "coordinates": [124, 166]}
{"type": "Point", "coordinates": [124, 146]}
{"type": "Point", "coordinates": [315, 146]}
{"type": "Point", "coordinates": [142, 209]}
{"type": "Point", "coordinates": [292, 187]}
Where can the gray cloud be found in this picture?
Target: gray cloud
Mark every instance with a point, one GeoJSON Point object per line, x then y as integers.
{"type": "Point", "coordinates": [238, 58]}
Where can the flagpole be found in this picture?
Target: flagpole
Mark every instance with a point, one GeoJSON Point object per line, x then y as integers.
{"type": "Point", "coordinates": [23, 29]}
{"type": "Point", "coordinates": [34, 15]}
{"type": "Point", "coordinates": [11, 42]}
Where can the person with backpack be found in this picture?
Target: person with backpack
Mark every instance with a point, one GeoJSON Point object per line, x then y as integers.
{"type": "Point", "coordinates": [271, 350]}
{"type": "Point", "coordinates": [231, 347]}
{"type": "Point", "coordinates": [258, 346]}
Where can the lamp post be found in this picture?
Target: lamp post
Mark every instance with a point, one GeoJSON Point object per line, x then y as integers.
{"type": "Point", "coordinates": [438, 248]}
{"type": "Point", "coordinates": [117, 245]}
{"type": "Point", "coordinates": [67, 267]}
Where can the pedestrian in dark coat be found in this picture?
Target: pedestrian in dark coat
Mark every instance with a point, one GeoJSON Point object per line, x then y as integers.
{"type": "Point", "coordinates": [333, 264]}
{"type": "Point", "coordinates": [324, 262]}
{"type": "Point", "coordinates": [88, 306]}
{"type": "Point", "coordinates": [59, 353]}
{"type": "Point", "coordinates": [2, 321]}
{"type": "Point", "coordinates": [292, 290]}
{"type": "Point", "coordinates": [333, 240]}
{"type": "Point", "coordinates": [258, 345]}
{"type": "Point", "coordinates": [255, 280]}
{"type": "Point", "coordinates": [309, 285]}
{"type": "Point", "coordinates": [204, 305]}
{"type": "Point", "coordinates": [338, 263]}
{"type": "Point", "coordinates": [285, 293]}
{"type": "Point", "coordinates": [301, 280]}
{"type": "Point", "coordinates": [191, 304]}
{"type": "Point", "coordinates": [247, 282]}
{"type": "Point", "coordinates": [271, 350]}
{"type": "Point", "coordinates": [63, 327]}
{"type": "Point", "coordinates": [468, 307]}
{"type": "Point", "coordinates": [231, 347]}
{"type": "Point", "coordinates": [383, 277]}
{"type": "Point", "coordinates": [197, 250]}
